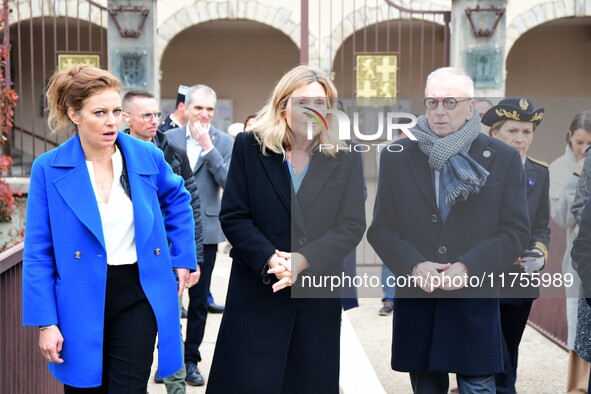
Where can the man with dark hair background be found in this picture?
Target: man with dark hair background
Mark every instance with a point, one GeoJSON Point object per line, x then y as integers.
{"type": "Point", "coordinates": [141, 113]}
{"type": "Point", "coordinates": [177, 118]}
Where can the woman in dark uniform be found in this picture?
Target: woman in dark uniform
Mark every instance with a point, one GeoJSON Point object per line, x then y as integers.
{"type": "Point", "coordinates": [513, 120]}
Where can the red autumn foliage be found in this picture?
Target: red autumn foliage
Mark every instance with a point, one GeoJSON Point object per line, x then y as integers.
{"type": "Point", "coordinates": [7, 205]}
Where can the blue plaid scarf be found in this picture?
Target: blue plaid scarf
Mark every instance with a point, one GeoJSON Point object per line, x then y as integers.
{"type": "Point", "coordinates": [462, 175]}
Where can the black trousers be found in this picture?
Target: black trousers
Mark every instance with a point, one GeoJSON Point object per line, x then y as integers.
{"type": "Point", "coordinates": [197, 312]}
{"type": "Point", "coordinates": [513, 321]}
{"type": "Point", "coordinates": [129, 335]}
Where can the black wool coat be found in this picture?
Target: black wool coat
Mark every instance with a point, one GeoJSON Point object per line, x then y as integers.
{"type": "Point", "coordinates": [449, 331]}
{"type": "Point", "coordinates": [279, 342]}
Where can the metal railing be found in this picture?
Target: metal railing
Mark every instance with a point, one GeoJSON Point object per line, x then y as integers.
{"type": "Point", "coordinates": [548, 315]}
{"type": "Point", "coordinates": [46, 35]}
{"type": "Point", "coordinates": [22, 368]}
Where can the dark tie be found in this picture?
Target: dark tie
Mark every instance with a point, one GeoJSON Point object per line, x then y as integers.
{"type": "Point", "coordinates": [443, 206]}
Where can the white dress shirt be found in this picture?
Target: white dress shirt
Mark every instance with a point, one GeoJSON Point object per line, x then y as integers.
{"type": "Point", "coordinates": [116, 217]}
{"type": "Point", "coordinates": [194, 149]}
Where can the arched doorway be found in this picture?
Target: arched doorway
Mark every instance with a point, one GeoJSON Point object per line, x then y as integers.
{"type": "Point", "coordinates": [419, 46]}
{"type": "Point", "coordinates": [240, 59]}
{"type": "Point", "coordinates": [550, 62]}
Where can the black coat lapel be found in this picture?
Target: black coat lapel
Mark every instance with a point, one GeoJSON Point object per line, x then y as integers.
{"type": "Point", "coordinates": [481, 151]}
{"type": "Point", "coordinates": [297, 217]}
{"type": "Point", "coordinates": [318, 174]}
{"type": "Point", "coordinates": [279, 176]}
{"type": "Point", "coordinates": [423, 174]}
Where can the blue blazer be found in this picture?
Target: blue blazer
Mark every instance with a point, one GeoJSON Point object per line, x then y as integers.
{"type": "Point", "coordinates": [65, 261]}
{"type": "Point", "coordinates": [487, 232]}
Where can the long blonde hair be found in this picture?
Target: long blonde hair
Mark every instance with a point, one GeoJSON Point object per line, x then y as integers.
{"type": "Point", "coordinates": [270, 127]}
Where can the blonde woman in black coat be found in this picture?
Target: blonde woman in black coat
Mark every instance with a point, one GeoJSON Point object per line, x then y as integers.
{"type": "Point", "coordinates": [292, 210]}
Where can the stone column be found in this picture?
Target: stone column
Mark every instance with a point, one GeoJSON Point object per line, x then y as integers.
{"type": "Point", "coordinates": [481, 56]}
{"type": "Point", "coordinates": [132, 44]}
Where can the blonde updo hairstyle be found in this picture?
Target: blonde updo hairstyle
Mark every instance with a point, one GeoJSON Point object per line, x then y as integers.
{"type": "Point", "coordinates": [70, 88]}
{"type": "Point", "coordinates": [270, 127]}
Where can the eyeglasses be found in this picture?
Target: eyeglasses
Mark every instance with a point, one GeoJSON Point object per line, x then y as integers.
{"type": "Point", "coordinates": [148, 116]}
{"type": "Point", "coordinates": [449, 103]}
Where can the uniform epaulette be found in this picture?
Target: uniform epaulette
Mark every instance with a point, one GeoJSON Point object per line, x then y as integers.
{"type": "Point", "coordinates": [540, 162]}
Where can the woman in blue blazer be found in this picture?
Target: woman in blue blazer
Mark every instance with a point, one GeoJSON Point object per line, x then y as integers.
{"type": "Point", "coordinates": [292, 211]}
{"type": "Point", "coordinates": [98, 269]}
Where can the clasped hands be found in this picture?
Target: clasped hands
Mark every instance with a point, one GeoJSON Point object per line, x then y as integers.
{"type": "Point", "coordinates": [286, 267]}
{"type": "Point", "coordinates": [430, 276]}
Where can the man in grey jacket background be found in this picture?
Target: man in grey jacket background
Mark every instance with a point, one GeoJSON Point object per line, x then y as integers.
{"type": "Point", "coordinates": [209, 151]}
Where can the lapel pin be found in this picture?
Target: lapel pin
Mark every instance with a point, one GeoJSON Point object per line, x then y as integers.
{"type": "Point", "coordinates": [530, 182]}
{"type": "Point", "coordinates": [486, 153]}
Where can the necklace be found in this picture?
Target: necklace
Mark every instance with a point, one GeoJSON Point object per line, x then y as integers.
{"type": "Point", "coordinates": [294, 169]}
{"type": "Point", "coordinates": [101, 183]}
{"type": "Point", "coordinates": [299, 167]}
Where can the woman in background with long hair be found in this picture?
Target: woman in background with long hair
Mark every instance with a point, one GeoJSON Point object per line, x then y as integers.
{"type": "Point", "coordinates": [564, 176]}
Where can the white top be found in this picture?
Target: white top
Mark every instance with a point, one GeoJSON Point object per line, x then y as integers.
{"type": "Point", "coordinates": [563, 187]}
{"type": "Point", "coordinates": [116, 217]}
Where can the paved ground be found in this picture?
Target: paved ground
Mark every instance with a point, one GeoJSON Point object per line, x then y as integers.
{"type": "Point", "coordinates": [365, 364]}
